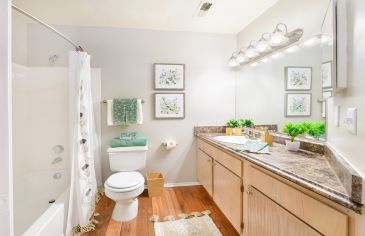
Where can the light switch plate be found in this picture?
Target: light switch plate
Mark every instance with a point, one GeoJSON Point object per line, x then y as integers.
{"type": "Point", "coordinates": [351, 120]}
{"type": "Point", "coordinates": [336, 116]}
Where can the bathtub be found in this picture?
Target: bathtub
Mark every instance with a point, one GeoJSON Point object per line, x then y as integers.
{"type": "Point", "coordinates": [53, 220]}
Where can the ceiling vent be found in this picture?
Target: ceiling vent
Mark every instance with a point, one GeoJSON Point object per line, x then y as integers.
{"type": "Point", "coordinates": [203, 8]}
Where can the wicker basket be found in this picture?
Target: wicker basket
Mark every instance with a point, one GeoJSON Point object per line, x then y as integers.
{"type": "Point", "coordinates": [155, 182]}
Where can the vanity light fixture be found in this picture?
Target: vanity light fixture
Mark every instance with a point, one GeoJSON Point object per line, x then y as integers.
{"type": "Point", "coordinates": [263, 43]}
{"type": "Point", "coordinates": [267, 46]}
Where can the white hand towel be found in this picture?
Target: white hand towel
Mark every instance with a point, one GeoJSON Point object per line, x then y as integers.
{"type": "Point", "coordinates": [109, 112]}
{"type": "Point", "coordinates": [139, 112]}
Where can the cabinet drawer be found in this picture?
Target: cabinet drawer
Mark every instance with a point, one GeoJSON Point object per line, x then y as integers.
{"type": "Point", "coordinates": [228, 161]}
{"type": "Point", "coordinates": [207, 148]}
{"type": "Point", "coordinates": [318, 215]}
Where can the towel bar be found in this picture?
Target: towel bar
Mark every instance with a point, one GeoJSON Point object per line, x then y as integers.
{"type": "Point", "coordinates": [104, 101]}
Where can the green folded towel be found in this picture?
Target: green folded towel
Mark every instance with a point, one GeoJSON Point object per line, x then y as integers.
{"type": "Point", "coordinates": [254, 147]}
{"type": "Point", "coordinates": [125, 111]}
{"type": "Point", "coordinates": [138, 141]}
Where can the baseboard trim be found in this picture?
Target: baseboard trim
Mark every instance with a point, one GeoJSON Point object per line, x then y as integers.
{"type": "Point", "coordinates": [179, 184]}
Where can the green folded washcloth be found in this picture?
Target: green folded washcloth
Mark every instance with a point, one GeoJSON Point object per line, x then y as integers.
{"type": "Point", "coordinates": [138, 141]}
{"type": "Point", "coordinates": [128, 135]}
{"type": "Point", "coordinates": [255, 147]}
{"type": "Point", "coordinates": [125, 111]}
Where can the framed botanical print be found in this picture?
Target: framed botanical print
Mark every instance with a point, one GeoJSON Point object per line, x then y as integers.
{"type": "Point", "coordinates": [169, 76]}
{"type": "Point", "coordinates": [326, 70]}
{"type": "Point", "coordinates": [298, 78]}
{"type": "Point", "coordinates": [298, 104]}
{"type": "Point", "coordinates": [169, 105]}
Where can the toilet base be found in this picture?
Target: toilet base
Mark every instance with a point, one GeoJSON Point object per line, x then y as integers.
{"type": "Point", "coordinates": [125, 210]}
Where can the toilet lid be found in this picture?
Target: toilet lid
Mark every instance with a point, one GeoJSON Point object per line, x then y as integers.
{"type": "Point", "coordinates": [125, 180]}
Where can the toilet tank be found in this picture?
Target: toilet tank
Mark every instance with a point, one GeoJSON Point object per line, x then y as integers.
{"type": "Point", "coordinates": [127, 158]}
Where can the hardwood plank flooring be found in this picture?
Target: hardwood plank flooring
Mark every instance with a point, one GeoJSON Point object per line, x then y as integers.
{"type": "Point", "coordinates": [173, 202]}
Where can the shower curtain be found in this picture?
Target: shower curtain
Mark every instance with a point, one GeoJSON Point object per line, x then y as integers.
{"type": "Point", "coordinates": [84, 147]}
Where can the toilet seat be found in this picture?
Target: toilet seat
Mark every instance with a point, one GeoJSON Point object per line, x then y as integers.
{"type": "Point", "coordinates": [124, 181]}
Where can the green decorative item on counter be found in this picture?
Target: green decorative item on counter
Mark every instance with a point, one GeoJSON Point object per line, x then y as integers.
{"type": "Point", "coordinates": [317, 129]}
{"type": "Point", "coordinates": [247, 123]}
{"type": "Point", "coordinates": [293, 130]}
{"type": "Point", "coordinates": [233, 123]}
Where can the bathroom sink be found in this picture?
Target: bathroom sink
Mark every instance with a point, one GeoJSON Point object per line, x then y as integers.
{"type": "Point", "coordinates": [231, 139]}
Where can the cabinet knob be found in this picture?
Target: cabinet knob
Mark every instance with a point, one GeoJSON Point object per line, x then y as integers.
{"type": "Point", "coordinates": [249, 191]}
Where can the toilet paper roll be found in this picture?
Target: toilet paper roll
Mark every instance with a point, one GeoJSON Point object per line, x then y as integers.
{"type": "Point", "coordinates": [170, 144]}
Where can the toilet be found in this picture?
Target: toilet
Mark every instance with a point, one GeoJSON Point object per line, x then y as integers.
{"type": "Point", "coordinates": [127, 184]}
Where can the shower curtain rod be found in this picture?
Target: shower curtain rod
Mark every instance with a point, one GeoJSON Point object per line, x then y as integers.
{"type": "Point", "coordinates": [18, 9]}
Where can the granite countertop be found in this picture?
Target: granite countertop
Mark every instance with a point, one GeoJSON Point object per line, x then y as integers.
{"type": "Point", "coordinates": [308, 169]}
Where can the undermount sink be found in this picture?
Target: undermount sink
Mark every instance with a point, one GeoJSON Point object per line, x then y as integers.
{"type": "Point", "coordinates": [231, 139]}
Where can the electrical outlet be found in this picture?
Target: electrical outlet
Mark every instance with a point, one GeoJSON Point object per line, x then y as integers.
{"type": "Point", "coordinates": [351, 120]}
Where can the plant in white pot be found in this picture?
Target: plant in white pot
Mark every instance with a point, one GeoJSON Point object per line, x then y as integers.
{"type": "Point", "coordinates": [293, 130]}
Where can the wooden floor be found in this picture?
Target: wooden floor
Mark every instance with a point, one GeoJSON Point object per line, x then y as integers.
{"type": "Point", "coordinates": [173, 202]}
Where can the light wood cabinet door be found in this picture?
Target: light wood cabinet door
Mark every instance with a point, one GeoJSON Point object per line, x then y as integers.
{"type": "Point", "coordinates": [205, 171]}
{"type": "Point", "coordinates": [266, 218]}
{"type": "Point", "coordinates": [228, 195]}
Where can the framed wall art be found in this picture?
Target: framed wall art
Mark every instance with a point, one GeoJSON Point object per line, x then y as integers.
{"type": "Point", "coordinates": [169, 105]}
{"type": "Point", "coordinates": [169, 76]}
{"type": "Point", "coordinates": [298, 104]}
{"type": "Point", "coordinates": [298, 78]}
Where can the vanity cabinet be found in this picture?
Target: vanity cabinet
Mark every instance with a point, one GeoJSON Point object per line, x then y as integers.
{"type": "Point", "coordinates": [268, 218]}
{"type": "Point", "coordinates": [227, 194]}
{"type": "Point", "coordinates": [205, 171]}
{"type": "Point", "coordinates": [259, 202]}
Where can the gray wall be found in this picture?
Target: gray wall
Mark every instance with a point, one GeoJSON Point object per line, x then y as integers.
{"type": "Point", "coordinates": [126, 59]}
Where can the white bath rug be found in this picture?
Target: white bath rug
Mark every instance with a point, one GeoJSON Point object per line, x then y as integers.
{"type": "Point", "coordinates": [194, 226]}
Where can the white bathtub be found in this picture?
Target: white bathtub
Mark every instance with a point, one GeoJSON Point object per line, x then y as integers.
{"type": "Point", "coordinates": [53, 221]}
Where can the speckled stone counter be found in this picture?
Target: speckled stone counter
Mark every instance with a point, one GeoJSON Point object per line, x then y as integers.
{"type": "Point", "coordinates": [309, 170]}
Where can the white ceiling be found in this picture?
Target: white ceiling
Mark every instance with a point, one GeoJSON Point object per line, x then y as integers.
{"type": "Point", "coordinates": [225, 16]}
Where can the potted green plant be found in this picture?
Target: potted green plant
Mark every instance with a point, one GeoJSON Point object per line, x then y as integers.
{"type": "Point", "coordinates": [248, 123]}
{"type": "Point", "coordinates": [317, 129]}
{"type": "Point", "coordinates": [231, 125]}
{"type": "Point", "coordinates": [293, 130]}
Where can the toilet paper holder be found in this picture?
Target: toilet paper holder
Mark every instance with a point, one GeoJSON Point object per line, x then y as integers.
{"type": "Point", "coordinates": [165, 143]}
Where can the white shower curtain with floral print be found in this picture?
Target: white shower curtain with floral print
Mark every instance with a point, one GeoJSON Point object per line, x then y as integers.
{"type": "Point", "coordinates": [83, 188]}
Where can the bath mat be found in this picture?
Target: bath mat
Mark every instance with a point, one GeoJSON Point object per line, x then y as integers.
{"type": "Point", "coordinates": [193, 224]}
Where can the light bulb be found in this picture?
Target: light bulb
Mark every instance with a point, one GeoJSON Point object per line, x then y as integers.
{"type": "Point", "coordinates": [251, 52]}
{"type": "Point", "coordinates": [263, 47]}
{"type": "Point", "coordinates": [277, 55]}
{"type": "Point", "coordinates": [311, 42]}
{"type": "Point", "coordinates": [264, 60]}
{"type": "Point", "coordinates": [233, 62]}
{"type": "Point", "coordinates": [241, 57]}
{"type": "Point", "coordinates": [254, 64]}
{"type": "Point", "coordinates": [292, 49]}
{"type": "Point", "coordinates": [278, 38]}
